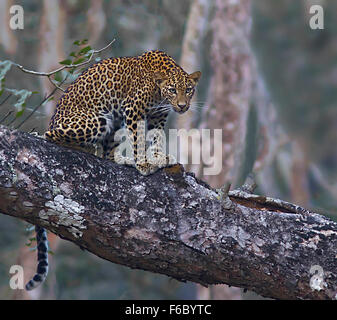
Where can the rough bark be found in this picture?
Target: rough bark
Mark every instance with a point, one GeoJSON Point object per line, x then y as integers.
{"type": "Point", "coordinates": [169, 222]}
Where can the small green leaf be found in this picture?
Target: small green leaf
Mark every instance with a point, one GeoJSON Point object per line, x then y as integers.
{"type": "Point", "coordinates": [51, 98]}
{"type": "Point", "coordinates": [73, 54]}
{"type": "Point", "coordinates": [72, 70]}
{"type": "Point", "coordinates": [22, 95]}
{"type": "Point", "coordinates": [84, 41]}
{"type": "Point", "coordinates": [19, 113]}
{"type": "Point", "coordinates": [79, 60]}
{"type": "Point", "coordinates": [66, 62]}
{"type": "Point", "coordinates": [84, 50]}
{"type": "Point", "coordinates": [35, 92]}
{"type": "Point", "coordinates": [58, 77]}
{"type": "Point", "coordinates": [89, 53]}
{"type": "Point", "coordinates": [77, 42]}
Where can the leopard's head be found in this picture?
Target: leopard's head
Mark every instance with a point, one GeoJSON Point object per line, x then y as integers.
{"type": "Point", "coordinates": [177, 88]}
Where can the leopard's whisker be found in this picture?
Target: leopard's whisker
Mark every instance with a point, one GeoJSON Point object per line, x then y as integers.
{"type": "Point", "coordinates": [161, 106]}
{"type": "Point", "coordinates": [200, 105]}
{"type": "Point", "coordinates": [196, 107]}
{"type": "Point", "coordinates": [164, 110]}
{"type": "Point", "coordinates": [199, 101]}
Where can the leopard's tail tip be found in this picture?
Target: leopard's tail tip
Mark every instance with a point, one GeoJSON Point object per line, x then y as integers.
{"type": "Point", "coordinates": [42, 257]}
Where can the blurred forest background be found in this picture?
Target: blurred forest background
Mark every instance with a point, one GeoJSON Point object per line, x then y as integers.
{"type": "Point", "coordinates": [269, 82]}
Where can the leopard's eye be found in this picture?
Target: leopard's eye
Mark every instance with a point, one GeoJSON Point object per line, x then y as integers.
{"type": "Point", "coordinates": [172, 90]}
{"type": "Point", "coordinates": [189, 89]}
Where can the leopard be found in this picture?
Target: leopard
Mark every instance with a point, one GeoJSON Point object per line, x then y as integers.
{"type": "Point", "coordinates": [135, 93]}
{"type": "Point", "coordinates": [125, 92]}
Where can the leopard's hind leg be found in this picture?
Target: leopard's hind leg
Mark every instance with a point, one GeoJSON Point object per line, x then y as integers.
{"type": "Point", "coordinates": [85, 133]}
{"type": "Point", "coordinates": [58, 136]}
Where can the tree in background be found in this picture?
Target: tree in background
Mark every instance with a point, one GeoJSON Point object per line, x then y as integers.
{"type": "Point", "coordinates": [298, 65]}
{"type": "Point", "coordinates": [229, 93]}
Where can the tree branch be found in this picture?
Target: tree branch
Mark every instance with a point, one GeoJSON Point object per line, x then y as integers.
{"type": "Point", "coordinates": [69, 66]}
{"type": "Point", "coordinates": [169, 222]}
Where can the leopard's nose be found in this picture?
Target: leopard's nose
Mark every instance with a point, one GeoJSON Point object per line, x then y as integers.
{"type": "Point", "coordinates": [181, 106]}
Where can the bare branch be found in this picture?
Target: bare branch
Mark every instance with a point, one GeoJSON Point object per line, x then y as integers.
{"type": "Point", "coordinates": [55, 84]}
{"type": "Point", "coordinates": [6, 116]}
{"type": "Point", "coordinates": [4, 100]}
{"type": "Point", "coordinates": [40, 104]}
{"type": "Point", "coordinates": [48, 74]}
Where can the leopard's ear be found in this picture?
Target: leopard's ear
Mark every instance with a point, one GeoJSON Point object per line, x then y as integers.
{"type": "Point", "coordinates": [195, 76]}
{"type": "Point", "coordinates": [159, 78]}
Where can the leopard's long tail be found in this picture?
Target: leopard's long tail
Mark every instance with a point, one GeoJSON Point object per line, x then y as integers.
{"type": "Point", "coordinates": [42, 257]}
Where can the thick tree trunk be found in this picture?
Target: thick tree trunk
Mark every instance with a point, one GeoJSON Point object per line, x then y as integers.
{"type": "Point", "coordinates": [195, 30]}
{"type": "Point", "coordinates": [229, 93]}
{"type": "Point", "coordinates": [230, 88]}
{"type": "Point", "coordinates": [170, 222]}
{"type": "Point", "coordinates": [51, 49]}
{"type": "Point", "coordinates": [96, 20]}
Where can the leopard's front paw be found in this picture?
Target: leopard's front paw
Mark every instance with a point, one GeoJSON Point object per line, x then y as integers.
{"type": "Point", "coordinates": [171, 160]}
{"type": "Point", "coordinates": [117, 157]}
{"type": "Point", "coordinates": [162, 160]}
{"type": "Point", "coordinates": [146, 168]}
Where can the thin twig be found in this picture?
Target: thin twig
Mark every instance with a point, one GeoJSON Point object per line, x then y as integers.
{"type": "Point", "coordinates": [1, 103]}
{"type": "Point", "coordinates": [41, 103]}
{"type": "Point", "coordinates": [6, 116]}
{"type": "Point", "coordinates": [54, 84]}
{"type": "Point", "coordinates": [48, 74]}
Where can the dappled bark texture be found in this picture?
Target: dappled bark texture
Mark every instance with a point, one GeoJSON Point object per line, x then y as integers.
{"type": "Point", "coordinates": [169, 222]}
